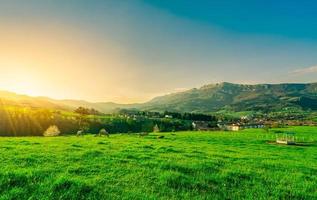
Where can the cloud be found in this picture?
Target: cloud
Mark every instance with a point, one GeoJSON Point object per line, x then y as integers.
{"type": "Point", "coordinates": [312, 69]}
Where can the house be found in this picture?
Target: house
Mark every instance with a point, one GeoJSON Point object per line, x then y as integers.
{"type": "Point", "coordinates": [203, 126]}
{"type": "Point", "coordinates": [232, 127]}
{"type": "Point", "coordinates": [246, 126]}
{"type": "Point", "coordinates": [245, 118]}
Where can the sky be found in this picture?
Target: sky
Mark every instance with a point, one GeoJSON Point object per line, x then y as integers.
{"type": "Point", "coordinates": [131, 51]}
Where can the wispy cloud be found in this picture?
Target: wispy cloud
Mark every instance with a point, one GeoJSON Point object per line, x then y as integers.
{"type": "Point", "coordinates": [307, 70]}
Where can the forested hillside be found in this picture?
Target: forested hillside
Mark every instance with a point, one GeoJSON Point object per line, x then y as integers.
{"type": "Point", "coordinates": [237, 97]}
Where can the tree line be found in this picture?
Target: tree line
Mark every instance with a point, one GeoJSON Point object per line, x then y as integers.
{"type": "Point", "coordinates": [168, 114]}
{"type": "Point", "coordinates": [35, 122]}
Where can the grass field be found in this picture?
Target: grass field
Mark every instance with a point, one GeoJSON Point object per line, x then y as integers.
{"type": "Point", "coordinates": [184, 165]}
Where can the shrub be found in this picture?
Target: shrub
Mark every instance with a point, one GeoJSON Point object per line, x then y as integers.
{"type": "Point", "coordinates": [156, 129]}
{"type": "Point", "coordinates": [52, 131]}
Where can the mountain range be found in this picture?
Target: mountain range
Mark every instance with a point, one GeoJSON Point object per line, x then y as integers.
{"type": "Point", "coordinates": [207, 99]}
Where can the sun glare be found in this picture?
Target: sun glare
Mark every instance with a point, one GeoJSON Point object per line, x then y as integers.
{"type": "Point", "coordinates": [21, 79]}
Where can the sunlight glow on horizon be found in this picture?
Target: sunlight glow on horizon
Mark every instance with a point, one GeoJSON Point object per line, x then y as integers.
{"type": "Point", "coordinates": [45, 63]}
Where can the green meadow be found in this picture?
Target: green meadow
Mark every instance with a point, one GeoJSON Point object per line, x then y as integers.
{"type": "Point", "coordinates": [182, 165]}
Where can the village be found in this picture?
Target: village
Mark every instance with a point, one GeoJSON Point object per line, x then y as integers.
{"type": "Point", "coordinates": [204, 122]}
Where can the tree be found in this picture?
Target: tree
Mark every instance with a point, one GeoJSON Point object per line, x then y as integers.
{"type": "Point", "coordinates": [156, 129]}
{"type": "Point", "coordinates": [52, 131]}
{"type": "Point", "coordinates": [82, 111]}
{"type": "Point", "coordinates": [83, 122]}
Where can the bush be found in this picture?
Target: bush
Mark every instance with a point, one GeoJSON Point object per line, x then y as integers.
{"type": "Point", "coordinates": [156, 129]}
{"type": "Point", "coordinates": [52, 131]}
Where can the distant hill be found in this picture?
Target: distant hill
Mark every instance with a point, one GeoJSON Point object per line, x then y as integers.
{"type": "Point", "coordinates": [238, 97]}
{"type": "Point", "coordinates": [104, 107]}
{"type": "Point", "coordinates": [207, 99]}
{"type": "Point", "coordinates": [17, 100]}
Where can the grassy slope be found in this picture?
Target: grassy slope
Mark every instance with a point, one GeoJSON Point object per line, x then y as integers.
{"type": "Point", "coordinates": [189, 165]}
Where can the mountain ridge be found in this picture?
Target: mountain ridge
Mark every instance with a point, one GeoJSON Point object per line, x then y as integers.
{"type": "Point", "coordinates": [206, 99]}
{"type": "Point", "coordinates": [237, 97]}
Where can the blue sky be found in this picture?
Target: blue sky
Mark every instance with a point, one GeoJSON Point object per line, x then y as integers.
{"type": "Point", "coordinates": [131, 51]}
{"type": "Point", "coordinates": [294, 19]}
